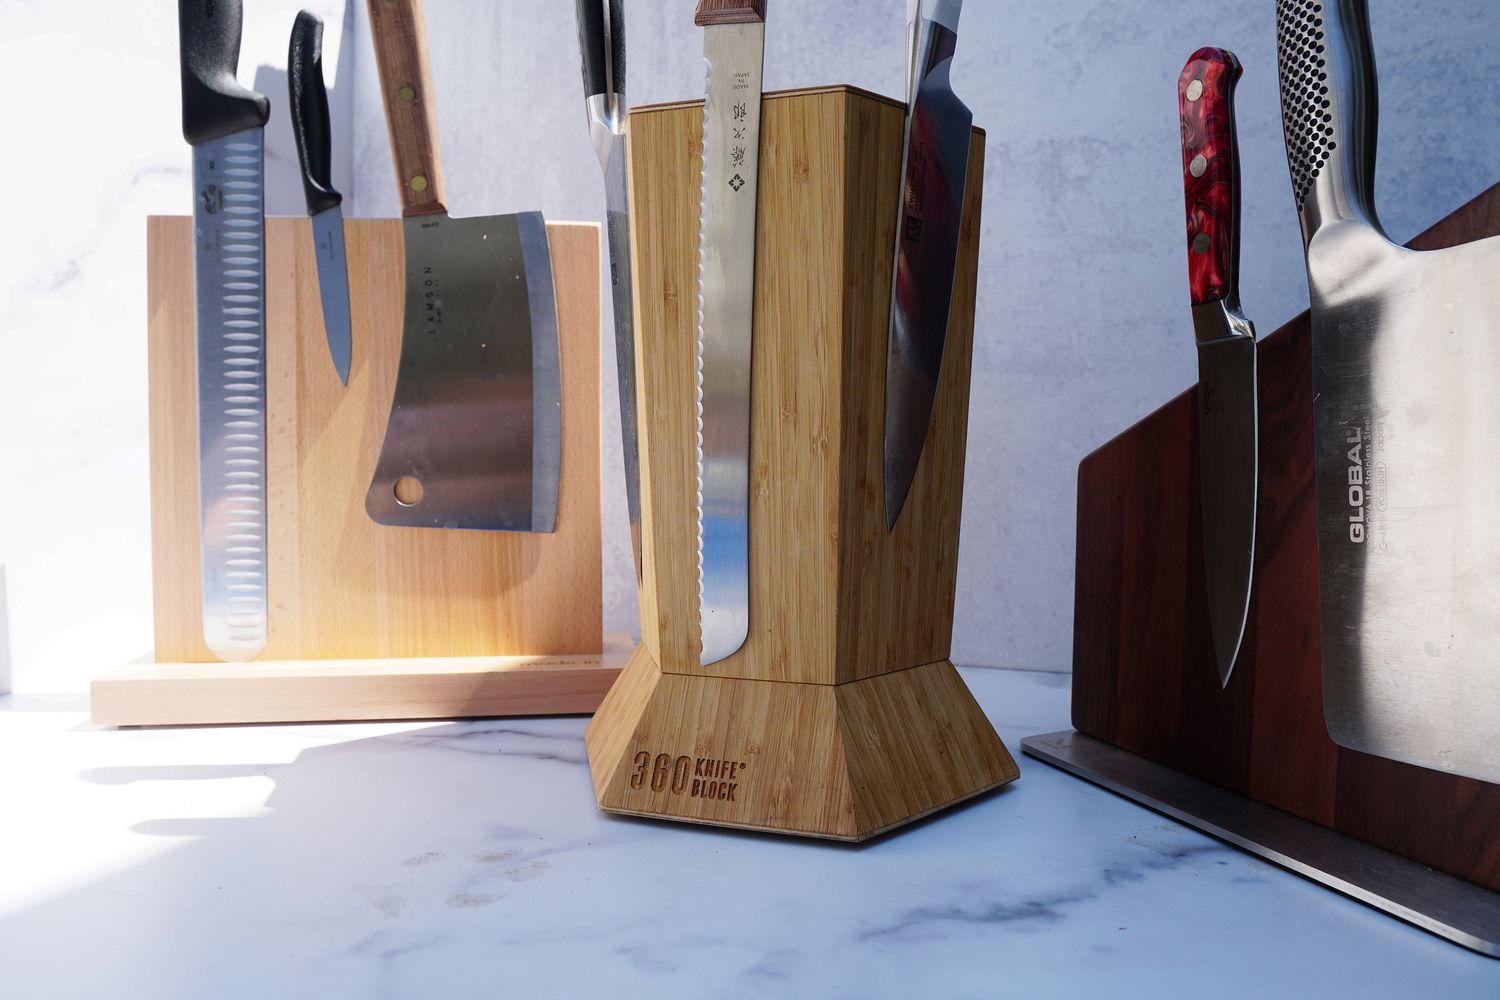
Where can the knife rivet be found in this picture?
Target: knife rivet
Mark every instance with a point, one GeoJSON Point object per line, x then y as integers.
{"type": "Point", "coordinates": [1198, 166]}
{"type": "Point", "coordinates": [1195, 90]}
{"type": "Point", "coordinates": [406, 94]}
{"type": "Point", "coordinates": [418, 183]}
{"type": "Point", "coordinates": [1200, 243]}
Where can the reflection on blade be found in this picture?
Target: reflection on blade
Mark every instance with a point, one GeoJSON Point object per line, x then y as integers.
{"type": "Point", "coordinates": [333, 285]}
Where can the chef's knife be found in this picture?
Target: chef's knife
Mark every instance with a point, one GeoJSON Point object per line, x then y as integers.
{"type": "Point", "coordinates": [1228, 450]}
{"type": "Point", "coordinates": [934, 169]}
{"type": "Point", "coordinates": [223, 122]}
{"type": "Point", "coordinates": [733, 47]}
{"type": "Point", "coordinates": [314, 137]}
{"type": "Point", "coordinates": [1405, 353]}
{"type": "Point", "coordinates": [601, 40]}
{"type": "Point", "coordinates": [475, 432]}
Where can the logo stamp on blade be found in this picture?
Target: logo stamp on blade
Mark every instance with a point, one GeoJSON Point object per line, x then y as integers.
{"type": "Point", "coordinates": [212, 197]}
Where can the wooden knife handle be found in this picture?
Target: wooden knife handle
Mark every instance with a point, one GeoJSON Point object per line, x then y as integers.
{"type": "Point", "coordinates": [400, 38]}
{"type": "Point", "coordinates": [1210, 173]}
{"type": "Point", "coordinates": [729, 12]}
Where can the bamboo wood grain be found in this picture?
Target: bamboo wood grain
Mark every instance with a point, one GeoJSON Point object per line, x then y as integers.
{"type": "Point", "coordinates": [834, 596]}
{"type": "Point", "coordinates": [1143, 662]}
{"type": "Point", "coordinates": [399, 34]}
{"type": "Point", "coordinates": [341, 586]}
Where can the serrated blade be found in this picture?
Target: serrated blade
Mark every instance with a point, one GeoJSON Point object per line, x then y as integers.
{"type": "Point", "coordinates": [933, 176]}
{"type": "Point", "coordinates": [229, 282]}
{"type": "Point", "coordinates": [726, 289]}
{"type": "Point", "coordinates": [333, 286]}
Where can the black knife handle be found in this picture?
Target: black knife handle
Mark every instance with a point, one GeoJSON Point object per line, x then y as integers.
{"type": "Point", "coordinates": [308, 100]}
{"type": "Point", "coordinates": [1328, 109]}
{"type": "Point", "coordinates": [213, 102]}
{"type": "Point", "coordinates": [601, 41]}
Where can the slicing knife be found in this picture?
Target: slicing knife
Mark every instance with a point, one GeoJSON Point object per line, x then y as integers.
{"type": "Point", "coordinates": [1228, 440]}
{"type": "Point", "coordinates": [733, 47]}
{"type": "Point", "coordinates": [934, 169]}
{"type": "Point", "coordinates": [474, 438]}
{"type": "Point", "coordinates": [601, 40]}
{"type": "Point", "coordinates": [1405, 419]}
{"type": "Point", "coordinates": [223, 122]}
{"type": "Point", "coordinates": [314, 137]}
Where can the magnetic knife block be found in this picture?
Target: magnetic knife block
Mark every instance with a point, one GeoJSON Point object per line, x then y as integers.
{"type": "Point", "coordinates": [366, 621]}
{"type": "Point", "coordinates": [841, 716]}
{"type": "Point", "coordinates": [1143, 663]}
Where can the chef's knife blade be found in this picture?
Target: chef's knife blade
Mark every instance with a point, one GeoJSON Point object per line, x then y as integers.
{"type": "Point", "coordinates": [934, 169]}
{"type": "Point", "coordinates": [474, 438]}
{"type": "Point", "coordinates": [223, 123]}
{"type": "Point", "coordinates": [1406, 417]}
{"type": "Point", "coordinates": [733, 47]}
{"type": "Point", "coordinates": [314, 138]}
{"type": "Point", "coordinates": [601, 41]}
{"type": "Point", "coordinates": [1228, 443]}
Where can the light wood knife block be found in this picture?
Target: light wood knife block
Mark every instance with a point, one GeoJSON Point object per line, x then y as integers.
{"type": "Point", "coordinates": [841, 716]}
{"type": "Point", "coordinates": [366, 621]}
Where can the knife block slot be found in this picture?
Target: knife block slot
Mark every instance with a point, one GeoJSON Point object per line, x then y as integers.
{"type": "Point", "coordinates": [1144, 675]}
{"type": "Point", "coordinates": [842, 715]}
{"type": "Point", "coordinates": [366, 621]}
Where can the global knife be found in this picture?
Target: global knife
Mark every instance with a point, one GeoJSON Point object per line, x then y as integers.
{"type": "Point", "coordinates": [601, 40]}
{"type": "Point", "coordinates": [734, 48]}
{"type": "Point", "coordinates": [314, 137]}
{"type": "Point", "coordinates": [934, 169]}
{"type": "Point", "coordinates": [474, 438]}
{"type": "Point", "coordinates": [1228, 447]}
{"type": "Point", "coordinates": [1405, 351]}
{"type": "Point", "coordinates": [223, 123]}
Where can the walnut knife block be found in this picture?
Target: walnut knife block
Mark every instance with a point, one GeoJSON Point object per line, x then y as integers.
{"type": "Point", "coordinates": [841, 716]}
{"type": "Point", "coordinates": [366, 620]}
{"type": "Point", "coordinates": [1143, 661]}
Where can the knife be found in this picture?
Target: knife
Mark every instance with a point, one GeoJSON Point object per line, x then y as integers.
{"type": "Point", "coordinates": [1405, 420]}
{"type": "Point", "coordinates": [601, 40]}
{"type": "Point", "coordinates": [934, 168]}
{"type": "Point", "coordinates": [1228, 448]}
{"type": "Point", "coordinates": [314, 137]}
{"type": "Point", "coordinates": [223, 122]}
{"type": "Point", "coordinates": [734, 34]}
{"type": "Point", "coordinates": [474, 438]}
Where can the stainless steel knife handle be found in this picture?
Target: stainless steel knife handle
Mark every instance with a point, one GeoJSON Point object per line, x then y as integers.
{"type": "Point", "coordinates": [308, 100]}
{"type": "Point", "coordinates": [213, 102]}
{"type": "Point", "coordinates": [400, 38]}
{"type": "Point", "coordinates": [1328, 110]}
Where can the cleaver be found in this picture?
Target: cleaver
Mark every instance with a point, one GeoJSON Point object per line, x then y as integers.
{"type": "Point", "coordinates": [474, 438]}
{"type": "Point", "coordinates": [1406, 350]}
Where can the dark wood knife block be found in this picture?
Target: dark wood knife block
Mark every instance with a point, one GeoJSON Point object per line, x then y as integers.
{"type": "Point", "coordinates": [842, 715]}
{"type": "Point", "coordinates": [1143, 660]}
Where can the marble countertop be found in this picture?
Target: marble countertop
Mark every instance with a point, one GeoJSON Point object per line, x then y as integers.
{"type": "Point", "coordinates": [468, 860]}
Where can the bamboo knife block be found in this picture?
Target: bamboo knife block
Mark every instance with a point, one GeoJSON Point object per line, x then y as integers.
{"type": "Point", "coordinates": [422, 622]}
{"type": "Point", "coordinates": [842, 715]}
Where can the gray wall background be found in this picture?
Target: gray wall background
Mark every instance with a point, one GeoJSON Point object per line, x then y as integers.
{"type": "Point", "coordinates": [1083, 324]}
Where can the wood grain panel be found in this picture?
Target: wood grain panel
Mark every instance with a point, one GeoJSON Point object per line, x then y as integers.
{"type": "Point", "coordinates": [1144, 670]}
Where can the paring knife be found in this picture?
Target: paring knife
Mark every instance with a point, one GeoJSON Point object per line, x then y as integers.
{"type": "Point", "coordinates": [733, 47]}
{"type": "Point", "coordinates": [601, 40]}
{"type": "Point", "coordinates": [314, 136]}
{"type": "Point", "coordinates": [475, 432]}
{"type": "Point", "coordinates": [1228, 440]}
{"type": "Point", "coordinates": [934, 169]}
{"type": "Point", "coordinates": [223, 122]}
{"type": "Point", "coordinates": [1405, 350]}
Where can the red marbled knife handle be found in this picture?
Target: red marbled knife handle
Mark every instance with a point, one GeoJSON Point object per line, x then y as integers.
{"type": "Point", "coordinates": [1211, 173]}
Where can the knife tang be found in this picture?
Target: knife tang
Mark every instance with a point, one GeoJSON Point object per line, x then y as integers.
{"type": "Point", "coordinates": [308, 101]}
{"type": "Point", "coordinates": [729, 12]}
{"type": "Point", "coordinates": [400, 37]}
{"type": "Point", "coordinates": [1211, 174]}
{"type": "Point", "coordinates": [1328, 109]}
{"type": "Point", "coordinates": [214, 104]}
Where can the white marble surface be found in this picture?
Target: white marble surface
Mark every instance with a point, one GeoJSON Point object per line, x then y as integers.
{"type": "Point", "coordinates": [467, 859]}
